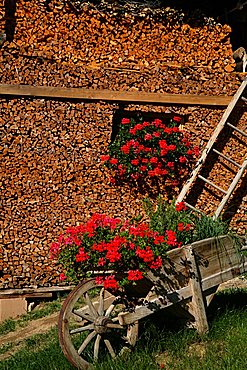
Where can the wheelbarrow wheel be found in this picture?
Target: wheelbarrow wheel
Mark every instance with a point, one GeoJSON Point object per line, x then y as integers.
{"type": "Point", "coordinates": [89, 328]}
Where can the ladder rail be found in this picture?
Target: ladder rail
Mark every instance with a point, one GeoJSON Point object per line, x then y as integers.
{"type": "Point", "coordinates": [231, 189]}
{"type": "Point", "coordinates": [211, 141]}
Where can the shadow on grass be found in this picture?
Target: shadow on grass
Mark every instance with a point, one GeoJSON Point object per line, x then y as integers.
{"type": "Point", "coordinates": [174, 319]}
{"type": "Point", "coordinates": [231, 299]}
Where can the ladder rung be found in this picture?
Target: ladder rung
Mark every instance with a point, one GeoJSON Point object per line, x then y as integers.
{"type": "Point", "coordinates": [244, 99]}
{"type": "Point", "coordinates": [193, 208]}
{"type": "Point", "coordinates": [212, 184]}
{"type": "Point", "coordinates": [227, 158]}
{"type": "Point", "coordinates": [237, 129]}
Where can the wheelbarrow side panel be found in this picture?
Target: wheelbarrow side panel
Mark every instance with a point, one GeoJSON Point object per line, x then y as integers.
{"type": "Point", "coordinates": [189, 276]}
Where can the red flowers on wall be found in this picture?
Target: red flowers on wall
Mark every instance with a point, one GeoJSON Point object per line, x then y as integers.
{"type": "Point", "coordinates": [149, 149]}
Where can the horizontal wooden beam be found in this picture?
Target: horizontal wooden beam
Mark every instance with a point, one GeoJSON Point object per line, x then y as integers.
{"type": "Point", "coordinates": [139, 97]}
{"type": "Point", "coordinates": [33, 292]}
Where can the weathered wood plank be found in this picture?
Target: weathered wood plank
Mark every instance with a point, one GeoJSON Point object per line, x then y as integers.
{"type": "Point", "coordinates": [33, 292]}
{"type": "Point", "coordinates": [154, 305]}
{"type": "Point", "coordinates": [215, 255]}
{"type": "Point", "coordinates": [139, 97]}
{"type": "Point", "coordinates": [197, 304]}
{"type": "Point", "coordinates": [223, 276]}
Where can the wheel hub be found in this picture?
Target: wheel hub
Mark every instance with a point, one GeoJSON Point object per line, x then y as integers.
{"type": "Point", "coordinates": [100, 324]}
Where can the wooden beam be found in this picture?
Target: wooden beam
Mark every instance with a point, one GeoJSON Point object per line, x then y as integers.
{"type": "Point", "coordinates": [33, 292]}
{"type": "Point", "coordinates": [197, 304]}
{"type": "Point", "coordinates": [112, 96]}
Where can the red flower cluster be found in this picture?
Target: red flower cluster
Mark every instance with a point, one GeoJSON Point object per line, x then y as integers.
{"type": "Point", "coordinates": [82, 255]}
{"type": "Point", "coordinates": [180, 207]}
{"type": "Point", "coordinates": [151, 149]}
{"type": "Point", "coordinates": [106, 244]}
{"type": "Point", "coordinates": [134, 275]}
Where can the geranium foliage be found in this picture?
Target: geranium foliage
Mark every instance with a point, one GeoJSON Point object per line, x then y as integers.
{"type": "Point", "coordinates": [150, 149]}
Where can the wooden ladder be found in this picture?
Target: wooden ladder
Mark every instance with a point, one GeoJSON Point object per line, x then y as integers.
{"type": "Point", "coordinates": [240, 96]}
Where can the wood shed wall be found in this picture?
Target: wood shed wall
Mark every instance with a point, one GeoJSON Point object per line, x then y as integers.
{"type": "Point", "coordinates": [51, 174]}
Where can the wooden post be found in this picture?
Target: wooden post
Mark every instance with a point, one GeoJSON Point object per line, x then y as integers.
{"type": "Point", "coordinates": [197, 305]}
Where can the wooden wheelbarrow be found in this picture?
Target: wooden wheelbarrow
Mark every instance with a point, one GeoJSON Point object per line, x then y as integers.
{"type": "Point", "coordinates": [94, 321]}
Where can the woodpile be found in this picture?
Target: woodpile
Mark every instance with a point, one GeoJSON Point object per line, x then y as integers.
{"type": "Point", "coordinates": [106, 48]}
{"type": "Point", "coordinates": [51, 174]}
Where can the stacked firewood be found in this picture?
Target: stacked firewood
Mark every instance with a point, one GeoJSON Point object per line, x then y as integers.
{"type": "Point", "coordinates": [63, 44]}
{"type": "Point", "coordinates": [51, 173]}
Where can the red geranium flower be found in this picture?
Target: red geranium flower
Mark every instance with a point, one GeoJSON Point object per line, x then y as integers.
{"type": "Point", "coordinates": [111, 283]}
{"type": "Point", "coordinates": [182, 159]}
{"type": "Point", "coordinates": [62, 277]}
{"type": "Point", "coordinates": [135, 162]}
{"type": "Point", "coordinates": [157, 134]}
{"type": "Point", "coordinates": [172, 147]}
{"type": "Point", "coordinates": [146, 254]}
{"type": "Point", "coordinates": [196, 151]}
{"type": "Point", "coordinates": [177, 119]}
{"type": "Point", "coordinates": [151, 173]}
{"type": "Point", "coordinates": [180, 207]}
{"type": "Point", "coordinates": [143, 168]}
{"type": "Point", "coordinates": [154, 160]}
{"type": "Point", "coordinates": [163, 144]}
{"type": "Point", "coordinates": [125, 121]}
{"type": "Point", "coordinates": [170, 164]}
{"type": "Point", "coordinates": [105, 157]}
{"type": "Point", "coordinates": [135, 275]}
{"type": "Point", "coordinates": [171, 238]}
{"type": "Point", "coordinates": [188, 227]}
{"type": "Point", "coordinates": [125, 149]}
{"type": "Point", "coordinates": [101, 261]}
{"type": "Point", "coordinates": [132, 131]}
{"type": "Point", "coordinates": [168, 130]}
{"type": "Point", "coordinates": [99, 280]}
{"type": "Point", "coordinates": [113, 160]}
{"type": "Point", "coordinates": [82, 255]}
{"type": "Point", "coordinates": [148, 137]}
{"type": "Point", "coordinates": [156, 264]}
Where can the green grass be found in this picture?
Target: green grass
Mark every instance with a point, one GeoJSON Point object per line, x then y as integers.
{"type": "Point", "coordinates": [171, 348]}
{"type": "Point", "coordinates": [5, 347]}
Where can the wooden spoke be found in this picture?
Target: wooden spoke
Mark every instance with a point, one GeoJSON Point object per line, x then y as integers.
{"type": "Point", "coordinates": [83, 315]}
{"type": "Point", "coordinates": [96, 347]}
{"type": "Point", "coordinates": [109, 310]}
{"type": "Point", "coordinates": [114, 319]}
{"type": "Point", "coordinates": [109, 347]}
{"type": "Point", "coordinates": [91, 307]}
{"type": "Point", "coordinates": [86, 342]}
{"type": "Point", "coordinates": [84, 328]}
{"type": "Point", "coordinates": [101, 302]}
{"type": "Point", "coordinates": [114, 326]}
